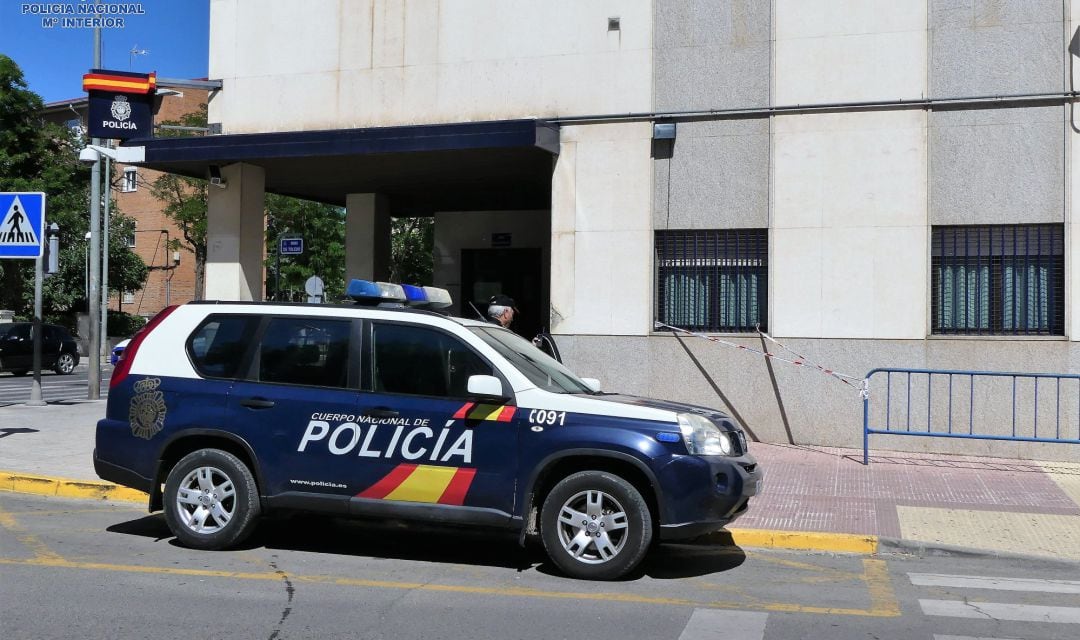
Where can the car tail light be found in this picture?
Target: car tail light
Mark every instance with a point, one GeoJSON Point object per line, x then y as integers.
{"type": "Point", "coordinates": [124, 365]}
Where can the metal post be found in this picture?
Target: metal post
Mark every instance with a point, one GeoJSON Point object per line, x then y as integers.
{"type": "Point", "coordinates": [866, 429]}
{"type": "Point", "coordinates": [277, 271]}
{"type": "Point", "coordinates": [35, 389]}
{"type": "Point", "coordinates": [105, 263]}
{"type": "Point", "coordinates": [93, 391]}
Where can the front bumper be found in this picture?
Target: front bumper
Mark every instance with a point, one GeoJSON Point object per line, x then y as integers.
{"type": "Point", "coordinates": [705, 493]}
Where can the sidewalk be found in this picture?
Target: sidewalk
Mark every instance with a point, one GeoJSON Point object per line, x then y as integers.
{"type": "Point", "coordinates": [812, 498]}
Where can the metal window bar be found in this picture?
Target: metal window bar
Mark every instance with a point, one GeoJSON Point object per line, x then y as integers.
{"type": "Point", "coordinates": [1011, 424]}
{"type": "Point", "coordinates": [998, 280]}
{"type": "Point", "coordinates": [712, 280]}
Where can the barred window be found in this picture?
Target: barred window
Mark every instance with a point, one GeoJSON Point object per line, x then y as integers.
{"type": "Point", "coordinates": [713, 280]}
{"type": "Point", "coordinates": [998, 280]}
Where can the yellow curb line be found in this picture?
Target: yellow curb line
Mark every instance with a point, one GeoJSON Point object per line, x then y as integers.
{"type": "Point", "coordinates": [800, 540]}
{"type": "Point", "coordinates": [67, 488]}
{"type": "Point", "coordinates": [805, 540]}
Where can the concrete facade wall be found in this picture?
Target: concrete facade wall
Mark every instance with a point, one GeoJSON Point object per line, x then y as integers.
{"type": "Point", "coordinates": [801, 406]}
{"type": "Point", "coordinates": [601, 231]}
{"type": "Point", "coordinates": [849, 196]}
{"type": "Point", "coordinates": [369, 63]}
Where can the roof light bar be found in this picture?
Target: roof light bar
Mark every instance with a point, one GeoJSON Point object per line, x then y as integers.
{"type": "Point", "coordinates": [437, 298]}
{"type": "Point", "coordinates": [389, 294]}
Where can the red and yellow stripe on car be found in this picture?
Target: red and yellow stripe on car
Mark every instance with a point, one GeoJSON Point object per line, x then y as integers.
{"type": "Point", "coordinates": [495, 412]}
{"type": "Point", "coordinates": [422, 483]}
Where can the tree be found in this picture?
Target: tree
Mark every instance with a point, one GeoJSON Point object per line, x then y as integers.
{"type": "Point", "coordinates": [323, 228]}
{"type": "Point", "coordinates": [185, 202]}
{"type": "Point", "coordinates": [36, 155]}
{"type": "Point", "coordinates": [412, 244]}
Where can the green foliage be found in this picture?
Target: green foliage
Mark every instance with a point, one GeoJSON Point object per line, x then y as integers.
{"type": "Point", "coordinates": [323, 228]}
{"type": "Point", "coordinates": [40, 156]}
{"type": "Point", "coordinates": [412, 246]}
{"type": "Point", "coordinates": [124, 324]}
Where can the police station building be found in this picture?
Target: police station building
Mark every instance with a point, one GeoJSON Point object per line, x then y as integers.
{"type": "Point", "coordinates": [874, 183]}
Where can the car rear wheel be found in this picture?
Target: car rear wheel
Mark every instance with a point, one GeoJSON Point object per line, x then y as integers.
{"type": "Point", "coordinates": [65, 364]}
{"type": "Point", "coordinates": [20, 372]}
{"type": "Point", "coordinates": [211, 500]}
{"type": "Point", "coordinates": [595, 525]}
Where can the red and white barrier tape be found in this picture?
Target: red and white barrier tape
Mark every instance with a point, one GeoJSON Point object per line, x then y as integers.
{"type": "Point", "coordinates": [861, 384]}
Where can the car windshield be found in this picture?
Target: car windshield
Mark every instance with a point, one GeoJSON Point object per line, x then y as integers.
{"type": "Point", "coordinates": [540, 368]}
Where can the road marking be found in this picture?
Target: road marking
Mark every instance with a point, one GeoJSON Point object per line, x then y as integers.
{"type": "Point", "coordinates": [41, 552]}
{"type": "Point", "coordinates": [1000, 611]}
{"type": "Point", "coordinates": [1001, 584]}
{"type": "Point", "coordinates": [941, 637]}
{"type": "Point", "coordinates": [882, 609]}
{"type": "Point", "coordinates": [709, 624]}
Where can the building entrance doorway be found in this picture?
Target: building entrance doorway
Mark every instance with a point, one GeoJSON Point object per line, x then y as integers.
{"type": "Point", "coordinates": [513, 272]}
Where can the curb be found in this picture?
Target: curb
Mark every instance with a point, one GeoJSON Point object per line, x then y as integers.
{"type": "Point", "coordinates": [940, 549]}
{"type": "Point", "coordinates": [805, 540]}
{"type": "Point", "coordinates": [67, 488]}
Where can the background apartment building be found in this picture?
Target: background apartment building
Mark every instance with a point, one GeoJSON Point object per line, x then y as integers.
{"type": "Point", "coordinates": [873, 182]}
{"type": "Point", "coordinates": [171, 278]}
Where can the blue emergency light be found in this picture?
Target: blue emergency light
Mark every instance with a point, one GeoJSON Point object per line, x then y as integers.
{"type": "Point", "coordinates": [414, 296]}
{"type": "Point", "coordinates": [388, 294]}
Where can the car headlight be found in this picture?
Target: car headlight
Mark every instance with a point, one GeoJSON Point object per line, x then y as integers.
{"type": "Point", "coordinates": [702, 437]}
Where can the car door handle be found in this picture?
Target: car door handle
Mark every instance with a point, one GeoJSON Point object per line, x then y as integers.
{"type": "Point", "coordinates": [256, 403]}
{"type": "Point", "coordinates": [380, 412]}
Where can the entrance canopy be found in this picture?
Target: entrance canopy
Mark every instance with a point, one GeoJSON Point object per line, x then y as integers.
{"type": "Point", "coordinates": [472, 166]}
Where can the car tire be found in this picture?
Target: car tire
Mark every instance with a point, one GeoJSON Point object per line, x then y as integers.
{"type": "Point", "coordinates": [211, 500]}
{"type": "Point", "coordinates": [577, 520]}
{"type": "Point", "coordinates": [20, 372]}
{"type": "Point", "coordinates": [65, 364]}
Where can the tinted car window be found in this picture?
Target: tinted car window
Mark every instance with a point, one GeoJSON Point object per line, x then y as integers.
{"type": "Point", "coordinates": [18, 331]}
{"type": "Point", "coordinates": [306, 351]}
{"type": "Point", "coordinates": [540, 368]}
{"type": "Point", "coordinates": [421, 361]}
{"type": "Point", "coordinates": [217, 347]}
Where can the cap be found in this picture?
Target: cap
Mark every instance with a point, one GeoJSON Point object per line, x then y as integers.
{"type": "Point", "coordinates": [503, 301]}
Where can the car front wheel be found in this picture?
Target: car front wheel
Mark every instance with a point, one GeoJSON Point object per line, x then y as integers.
{"type": "Point", "coordinates": [595, 525]}
{"type": "Point", "coordinates": [211, 500]}
{"type": "Point", "coordinates": [65, 364]}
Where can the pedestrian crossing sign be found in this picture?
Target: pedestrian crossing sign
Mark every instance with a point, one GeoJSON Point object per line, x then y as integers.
{"type": "Point", "coordinates": [22, 224]}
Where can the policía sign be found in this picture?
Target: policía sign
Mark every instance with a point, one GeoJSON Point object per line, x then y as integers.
{"type": "Point", "coordinates": [121, 103]}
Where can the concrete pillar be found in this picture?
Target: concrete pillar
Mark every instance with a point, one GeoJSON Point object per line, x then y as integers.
{"type": "Point", "coordinates": [367, 236]}
{"type": "Point", "coordinates": [235, 231]}
{"type": "Point", "coordinates": [601, 231]}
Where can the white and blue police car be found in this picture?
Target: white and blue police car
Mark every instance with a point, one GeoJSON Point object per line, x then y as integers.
{"type": "Point", "coordinates": [223, 411]}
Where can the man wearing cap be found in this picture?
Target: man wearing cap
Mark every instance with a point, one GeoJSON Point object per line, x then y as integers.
{"type": "Point", "coordinates": [501, 310]}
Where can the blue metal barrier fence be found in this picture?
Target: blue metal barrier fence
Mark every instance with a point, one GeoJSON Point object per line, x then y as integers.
{"type": "Point", "coordinates": [981, 392]}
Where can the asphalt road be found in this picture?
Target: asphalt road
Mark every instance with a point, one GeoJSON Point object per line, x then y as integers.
{"type": "Point", "coordinates": [88, 569]}
{"type": "Point", "coordinates": [54, 387]}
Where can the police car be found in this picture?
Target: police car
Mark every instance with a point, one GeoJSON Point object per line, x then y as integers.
{"type": "Point", "coordinates": [224, 411]}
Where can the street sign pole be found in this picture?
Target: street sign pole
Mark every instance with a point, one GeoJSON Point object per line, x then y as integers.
{"type": "Point", "coordinates": [35, 388]}
{"type": "Point", "coordinates": [93, 383]}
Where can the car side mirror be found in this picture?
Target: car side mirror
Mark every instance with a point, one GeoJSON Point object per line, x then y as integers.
{"type": "Point", "coordinates": [485, 387]}
{"type": "Point", "coordinates": [592, 383]}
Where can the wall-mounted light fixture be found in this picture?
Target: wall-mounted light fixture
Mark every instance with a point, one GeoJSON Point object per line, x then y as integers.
{"type": "Point", "coordinates": [663, 131]}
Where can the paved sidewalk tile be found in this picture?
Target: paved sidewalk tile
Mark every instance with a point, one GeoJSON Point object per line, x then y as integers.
{"type": "Point", "coordinates": [830, 490]}
{"type": "Point", "coordinates": [1042, 534]}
